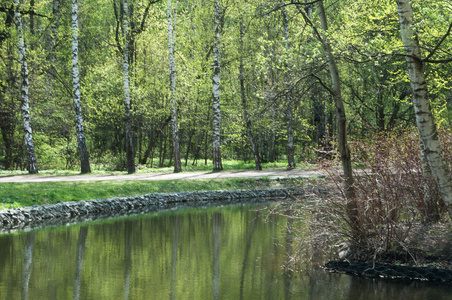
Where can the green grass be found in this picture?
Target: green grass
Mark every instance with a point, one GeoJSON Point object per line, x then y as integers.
{"type": "Point", "coordinates": [228, 165]}
{"type": "Point", "coordinates": [13, 195]}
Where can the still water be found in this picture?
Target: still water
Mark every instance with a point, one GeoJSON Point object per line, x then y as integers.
{"type": "Point", "coordinates": [215, 253]}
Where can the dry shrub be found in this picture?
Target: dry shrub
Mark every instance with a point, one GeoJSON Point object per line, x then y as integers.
{"type": "Point", "coordinates": [389, 202]}
{"type": "Point", "coordinates": [389, 197]}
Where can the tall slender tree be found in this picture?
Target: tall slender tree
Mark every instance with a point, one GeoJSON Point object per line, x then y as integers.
{"type": "Point", "coordinates": [216, 118]}
{"type": "Point", "coordinates": [28, 134]}
{"type": "Point", "coordinates": [127, 115]}
{"type": "Point", "coordinates": [172, 67]}
{"type": "Point", "coordinates": [341, 118]}
{"type": "Point", "coordinates": [83, 151]}
{"type": "Point", "coordinates": [341, 121]}
{"type": "Point", "coordinates": [289, 106]}
{"type": "Point", "coordinates": [428, 134]}
{"type": "Point", "coordinates": [246, 115]}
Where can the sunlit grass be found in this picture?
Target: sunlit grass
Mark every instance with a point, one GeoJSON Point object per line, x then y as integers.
{"type": "Point", "coordinates": [228, 165]}
{"type": "Point", "coordinates": [37, 193]}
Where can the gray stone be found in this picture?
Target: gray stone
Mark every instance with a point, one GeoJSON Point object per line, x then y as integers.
{"type": "Point", "coordinates": [78, 211]}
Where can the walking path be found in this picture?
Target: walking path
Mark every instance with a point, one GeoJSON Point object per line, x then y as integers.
{"type": "Point", "coordinates": [272, 174]}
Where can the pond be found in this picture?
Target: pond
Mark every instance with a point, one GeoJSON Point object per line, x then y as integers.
{"type": "Point", "coordinates": [214, 253]}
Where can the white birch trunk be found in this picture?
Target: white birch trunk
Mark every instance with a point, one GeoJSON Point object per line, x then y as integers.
{"type": "Point", "coordinates": [172, 68]}
{"type": "Point", "coordinates": [431, 196]}
{"type": "Point", "coordinates": [127, 117]}
{"type": "Point", "coordinates": [28, 134]}
{"type": "Point", "coordinates": [289, 117]}
{"type": "Point", "coordinates": [424, 117]}
{"type": "Point", "coordinates": [83, 152]}
{"type": "Point", "coordinates": [217, 165]}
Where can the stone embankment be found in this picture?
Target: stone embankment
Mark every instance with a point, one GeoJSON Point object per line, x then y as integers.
{"type": "Point", "coordinates": [77, 211]}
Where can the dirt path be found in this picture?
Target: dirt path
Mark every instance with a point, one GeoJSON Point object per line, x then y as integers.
{"type": "Point", "coordinates": [165, 176]}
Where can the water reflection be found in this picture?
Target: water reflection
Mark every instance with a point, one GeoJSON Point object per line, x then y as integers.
{"type": "Point", "coordinates": [30, 241]}
{"type": "Point", "coordinates": [216, 253]}
{"type": "Point", "coordinates": [128, 241]}
{"type": "Point", "coordinates": [79, 261]}
{"type": "Point", "coordinates": [176, 230]}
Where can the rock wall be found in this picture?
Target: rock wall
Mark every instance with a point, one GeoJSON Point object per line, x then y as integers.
{"type": "Point", "coordinates": [38, 216]}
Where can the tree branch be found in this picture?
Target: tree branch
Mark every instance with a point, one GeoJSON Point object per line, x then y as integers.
{"type": "Point", "coordinates": [10, 10]}
{"type": "Point", "coordinates": [302, 3]}
{"type": "Point", "coordinates": [309, 22]}
{"type": "Point", "coordinates": [118, 44]}
{"type": "Point", "coordinates": [323, 84]}
{"type": "Point", "coordinates": [439, 44]}
{"type": "Point", "coordinates": [143, 21]}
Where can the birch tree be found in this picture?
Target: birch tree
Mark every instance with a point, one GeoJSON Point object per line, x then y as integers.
{"type": "Point", "coordinates": [428, 134]}
{"type": "Point", "coordinates": [28, 134]}
{"type": "Point", "coordinates": [83, 151]}
{"type": "Point", "coordinates": [127, 117]}
{"type": "Point", "coordinates": [172, 67]}
{"type": "Point", "coordinates": [217, 165]}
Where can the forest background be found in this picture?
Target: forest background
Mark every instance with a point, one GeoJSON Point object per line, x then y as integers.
{"type": "Point", "coordinates": [275, 93]}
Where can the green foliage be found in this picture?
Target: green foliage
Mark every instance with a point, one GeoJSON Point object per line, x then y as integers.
{"type": "Point", "coordinates": [364, 34]}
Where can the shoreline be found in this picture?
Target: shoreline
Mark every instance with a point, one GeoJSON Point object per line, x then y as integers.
{"type": "Point", "coordinates": [59, 214]}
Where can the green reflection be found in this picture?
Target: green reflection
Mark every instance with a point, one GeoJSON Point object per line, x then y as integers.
{"type": "Point", "coordinates": [217, 253]}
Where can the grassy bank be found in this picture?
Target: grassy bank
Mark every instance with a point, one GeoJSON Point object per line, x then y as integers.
{"type": "Point", "coordinates": [13, 195]}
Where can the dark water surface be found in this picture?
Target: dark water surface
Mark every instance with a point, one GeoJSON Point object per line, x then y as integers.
{"type": "Point", "coordinates": [215, 253]}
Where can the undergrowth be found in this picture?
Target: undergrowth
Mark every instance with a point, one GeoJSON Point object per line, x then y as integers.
{"type": "Point", "coordinates": [390, 202]}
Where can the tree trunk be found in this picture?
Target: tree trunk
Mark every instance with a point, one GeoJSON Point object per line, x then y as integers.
{"type": "Point", "coordinates": [289, 116]}
{"type": "Point", "coordinates": [344, 151]}
{"type": "Point", "coordinates": [127, 117]}
{"type": "Point", "coordinates": [217, 165]}
{"type": "Point", "coordinates": [154, 138]}
{"type": "Point", "coordinates": [319, 118]}
{"type": "Point", "coordinates": [172, 67]}
{"type": "Point", "coordinates": [246, 116]}
{"type": "Point", "coordinates": [83, 151]}
{"type": "Point", "coordinates": [424, 117]}
{"type": "Point", "coordinates": [7, 117]}
{"type": "Point", "coordinates": [28, 134]}
{"type": "Point", "coordinates": [340, 110]}
{"type": "Point", "coordinates": [431, 196]}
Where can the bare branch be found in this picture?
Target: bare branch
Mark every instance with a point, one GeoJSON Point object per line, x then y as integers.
{"type": "Point", "coordinates": [323, 84]}
{"type": "Point", "coordinates": [439, 44]}
{"type": "Point", "coordinates": [437, 61]}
